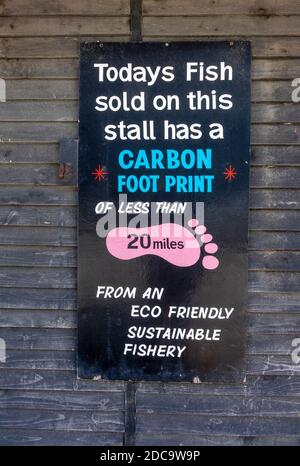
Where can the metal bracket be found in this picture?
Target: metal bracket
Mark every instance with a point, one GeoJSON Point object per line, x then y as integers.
{"type": "Point", "coordinates": [68, 162]}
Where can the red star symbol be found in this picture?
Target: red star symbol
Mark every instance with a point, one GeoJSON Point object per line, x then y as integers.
{"type": "Point", "coordinates": [99, 173]}
{"type": "Point", "coordinates": [230, 173]}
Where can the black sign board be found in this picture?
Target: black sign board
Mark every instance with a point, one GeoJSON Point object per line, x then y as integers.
{"type": "Point", "coordinates": [163, 210]}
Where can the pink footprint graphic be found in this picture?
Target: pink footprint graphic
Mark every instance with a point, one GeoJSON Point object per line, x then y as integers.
{"type": "Point", "coordinates": [170, 241]}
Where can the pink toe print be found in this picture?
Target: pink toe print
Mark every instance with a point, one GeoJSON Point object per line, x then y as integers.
{"type": "Point", "coordinates": [170, 241]}
{"type": "Point", "coordinates": [209, 261]}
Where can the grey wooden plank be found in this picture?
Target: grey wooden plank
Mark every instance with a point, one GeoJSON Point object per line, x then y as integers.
{"type": "Point", "coordinates": [198, 440]}
{"type": "Point", "coordinates": [67, 89]}
{"type": "Point", "coordinates": [274, 240]}
{"type": "Point", "coordinates": [273, 69]}
{"type": "Point", "coordinates": [46, 195]}
{"type": "Point", "coordinates": [272, 91]}
{"type": "Point", "coordinates": [27, 152]}
{"type": "Point", "coordinates": [32, 236]}
{"type": "Point", "coordinates": [38, 318]}
{"type": "Point", "coordinates": [266, 113]}
{"type": "Point", "coordinates": [42, 277]}
{"type": "Point", "coordinates": [40, 132]}
{"type": "Point", "coordinates": [68, 47]}
{"type": "Point", "coordinates": [272, 365]}
{"type": "Point", "coordinates": [281, 324]}
{"type": "Point", "coordinates": [63, 420]}
{"type": "Point", "coordinates": [68, 111]}
{"type": "Point", "coordinates": [226, 425]}
{"type": "Point", "coordinates": [274, 155]}
{"type": "Point", "coordinates": [59, 47]}
{"type": "Point", "coordinates": [38, 216]}
{"type": "Point", "coordinates": [275, 177]}
{"type": "Point", "coordinates": [275, 199]}
{"type": "Point", "coordinates": [261, 46]}
{"type": "Point", "coordinates": [262, 385]}
{"type": "Point", "coordinates": [25, 298]}
{"type": "Point", "coordinates": [61, 111]}
{"type": "Point", "coordinates": [68, 68]}
{"type": "Point", "coordinates": [215, 405]}
{"type": "Point", "coordinates": [55, 339]}
{"type": "Point", "coordinates": [39, 68]}
{"type": "Point", "coordinates": [279, 220]}
{"type": "Point", "coordinates": [35, 360]}
{"type": "Point", "coordinates": [273, 302]}
{"type": "Point", "coordinates": [65, 400]}
{"type": "Point", "coordinates": [274, 281]}
{"type": "Point", "coordinates": [33, 256]}
{"type": "Point", "coordinates": [63, 7]}
{"type": "Point", "coordinates": [53, 380]}
{"type": "Point", "coordinates": [241, 25]}
{"type": "Point", "coordinates": [38, 437]}
{"type": "Point", "coordinates": [12, 26]}
{"type": "Point", "coordinates": [274, 260]}
{"type": "Point", "coordinates": [224, 7]}
{"type": "Point", "coordinates": [270, 344]}
{"type": "Point", "coordinates": [274, 134]}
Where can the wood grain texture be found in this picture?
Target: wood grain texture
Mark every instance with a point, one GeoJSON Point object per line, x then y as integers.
{"type": "Point", "coordinates": [196, 440]}
{"type": "Point", "coordinates": [12, 26]}
{"type": "Point", "coordinates": [62, 420]}
{"type": "Point", "coordinates": [64, 7]}
{"type": "Point", "coordinates": [38, 437]}
{"type": "Point", "coordinates": [241, 25]}
{"type": "Point", "coordinates": [234, 425]}
{"type": "Point", "coordinates": [37, 318]}
{"type": "Point", "coordinates": [68, 47]}
{"type": "Point", "coordinates": [220, 7]}
{"type": "Point", "coordinates": [54, 380]}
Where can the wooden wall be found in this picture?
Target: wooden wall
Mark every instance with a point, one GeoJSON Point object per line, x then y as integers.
{"type": "Point", "coordinates": [41, 401]}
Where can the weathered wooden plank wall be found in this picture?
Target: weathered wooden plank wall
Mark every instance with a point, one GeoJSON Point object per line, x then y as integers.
{"type": "Point", "coordinates": [41, 401]}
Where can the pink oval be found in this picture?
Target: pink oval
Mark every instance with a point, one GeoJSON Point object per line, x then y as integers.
{"type": "Point", "coordinates": [211, 248]}
{"type": "Point", "coordinates": [200, 230]}
{"type": "Point", "coordinates": [193, 222]}
{"type": "Point", "coordinates": [210, 262]}
{"type": "Point", "coordinates": [206, 238]}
